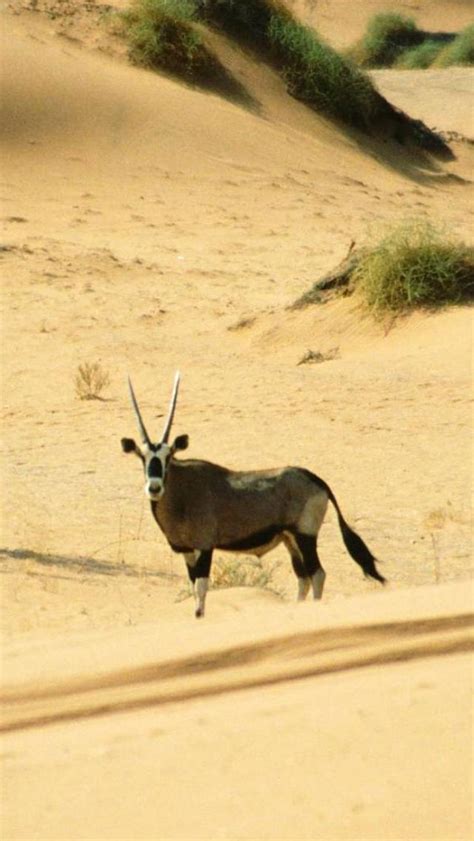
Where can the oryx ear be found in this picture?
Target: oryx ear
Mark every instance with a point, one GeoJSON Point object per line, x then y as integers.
{"type": "Point", "coordinates": [129, 446]}
{"type": "Point", "coordinates": [180, 443]}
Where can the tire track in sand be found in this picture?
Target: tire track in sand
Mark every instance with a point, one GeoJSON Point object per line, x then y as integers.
{"type": "Point", "coordinates": [263, 663]}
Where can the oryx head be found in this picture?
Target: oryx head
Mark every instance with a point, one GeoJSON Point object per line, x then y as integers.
{"type": "Point", "coordinates": [155, 457]}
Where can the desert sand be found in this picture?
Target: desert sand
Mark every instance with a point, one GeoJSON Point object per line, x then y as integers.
{"type": "Point", "coordinates": [149, 226]}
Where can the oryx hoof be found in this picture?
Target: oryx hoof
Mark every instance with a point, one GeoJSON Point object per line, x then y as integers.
{"type": "Point", "coordinates": [199, 612]}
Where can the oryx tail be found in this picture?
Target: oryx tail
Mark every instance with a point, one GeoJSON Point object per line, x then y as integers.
{"type": "Point", "coordinates": [355, 545]}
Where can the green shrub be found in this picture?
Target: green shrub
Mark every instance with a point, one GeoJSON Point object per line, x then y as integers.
{"type": "Point", "coordinates": [415, 266]}
{"type": "Point", "coordinates": [248, 18]}
{"type": "Point", "coordinates": [386, 37]}
{"type": "Point", "coordinates": [419, 57]}
{"type": "Point", "coordinates": [459, 51]}
{"type": "Point", "coordinates": [161, 35]}
{"type": "Point", "coordinates": [320, 76]}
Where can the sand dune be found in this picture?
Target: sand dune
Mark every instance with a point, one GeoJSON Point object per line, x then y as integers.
{"type": "Point", "coordinates": [149, 226]}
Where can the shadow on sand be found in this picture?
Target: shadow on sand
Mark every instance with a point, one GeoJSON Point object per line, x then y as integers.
{"type": "Point", "coordinates": [79, 564]}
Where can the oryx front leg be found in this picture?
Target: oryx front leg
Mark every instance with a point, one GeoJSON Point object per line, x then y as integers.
{"type": "Point", "coordinates": [303, 588]}
{"type": "Point", "coordinates": [199, 567]}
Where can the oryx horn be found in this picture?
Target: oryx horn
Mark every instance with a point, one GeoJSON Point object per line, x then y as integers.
{"type": "Point", "coordinates": [144, 434]}
{"type": "Point", "coordinates": [169, 420]}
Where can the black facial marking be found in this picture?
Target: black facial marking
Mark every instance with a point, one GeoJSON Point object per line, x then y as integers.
{"type": "Point", "coordinates": [155, 468]}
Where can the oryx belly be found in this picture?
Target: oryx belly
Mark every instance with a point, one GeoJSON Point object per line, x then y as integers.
{"type": "Point", "coordinates": [256, 544]}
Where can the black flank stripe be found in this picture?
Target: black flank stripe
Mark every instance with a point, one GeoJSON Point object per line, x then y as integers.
{"type": "Point", "coordinates": [254, 541]}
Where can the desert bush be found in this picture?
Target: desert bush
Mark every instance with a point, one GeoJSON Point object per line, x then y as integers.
{"type": "Point", "coordinates": [90, 381]}
{"type": "Point", "coordinates": [320, 76]}
{"type": "Point", "coordinates": [239, 572]}
{"type": "Point", "coordinates": [421, 57]}
{"type": "Point", "coordinates": [386, 37]}
{"type": "Point", "coordinates": [460, 51]}
{"type": "Point", "coordinates": [247, 18]}
{"type": "Point", "coordinates": [415, 265]}
{"type": "Point", "coordinates": [161, 36]}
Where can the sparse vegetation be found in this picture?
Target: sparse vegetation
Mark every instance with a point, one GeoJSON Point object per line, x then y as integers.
{"type": "Point", "coordinates": [248, 19]}
{"type": "Point", "coordinates": [459, 52]}
{"type": "Point", "coordinates": [394, 40]}
{"type": "Point", "coordinates": [320, 76]}
{"type": "Point", "coordinates": [386, 37]}
{"type": "Point", "coordinates": [415, 266]}
{"type": "Point", "coordinates": [421, 57]}
{"type": "Point", "coordinates": [90, 381]}
{"type": "Point", "coordinates": [240, 572]}
{"type": "Point", "coordinates": [161, 36]}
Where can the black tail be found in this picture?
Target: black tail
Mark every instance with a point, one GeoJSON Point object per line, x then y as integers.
{"type": "Point", "coordinates": [355, 545]}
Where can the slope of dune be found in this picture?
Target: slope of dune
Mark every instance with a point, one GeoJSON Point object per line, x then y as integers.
{"type": "Point", "coordinates": [149, 226]}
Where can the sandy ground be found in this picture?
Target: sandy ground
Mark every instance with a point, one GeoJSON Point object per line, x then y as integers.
{"type": "Point", "coordinates": [148, 226]}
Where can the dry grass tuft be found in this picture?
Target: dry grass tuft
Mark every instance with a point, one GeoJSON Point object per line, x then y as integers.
{"type": "Point", "coordinates": [90, 381]}
{"type": "Point", "coordinates": [240, 572]}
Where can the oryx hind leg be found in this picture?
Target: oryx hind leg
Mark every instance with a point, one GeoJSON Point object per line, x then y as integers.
{"type": "Point", "coordinates": [307, 547]}
{"type": "Point", "coordinates": [199, 568]}
{"type": "Point", "coordinates": [306, 564]}
{"type": "Point", "coordinates": [304, 581]}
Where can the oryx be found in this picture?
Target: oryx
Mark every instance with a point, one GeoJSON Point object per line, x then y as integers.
{"type": "Point", "coordinates": [201, 506]}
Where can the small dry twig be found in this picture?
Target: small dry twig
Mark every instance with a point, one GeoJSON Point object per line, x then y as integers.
{"type": "Point", "coordinates": [316, 356]}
